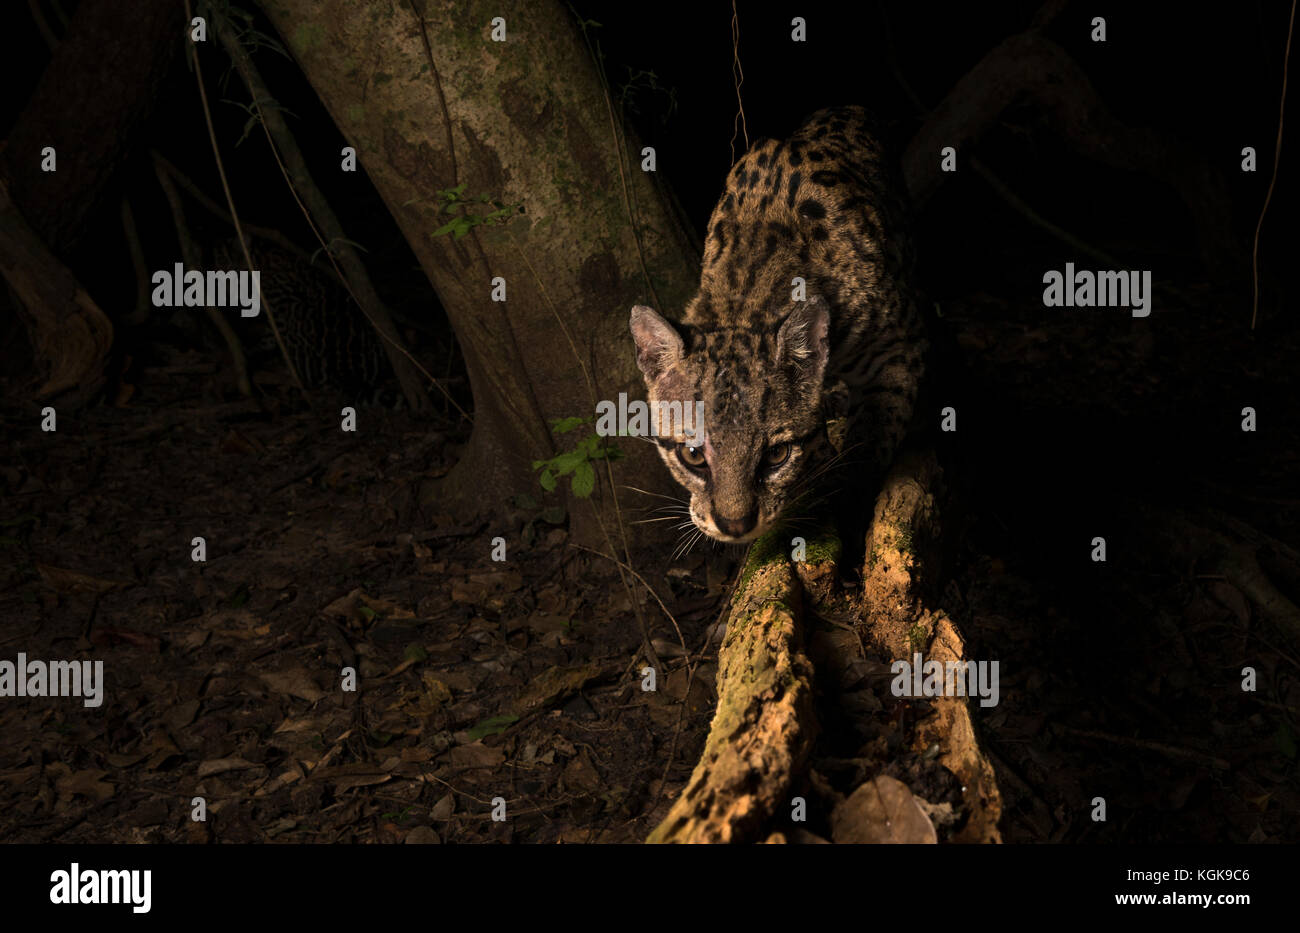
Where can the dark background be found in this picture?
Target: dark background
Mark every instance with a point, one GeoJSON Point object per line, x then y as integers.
{"type": "Point", "coordinates": [1072, 422]}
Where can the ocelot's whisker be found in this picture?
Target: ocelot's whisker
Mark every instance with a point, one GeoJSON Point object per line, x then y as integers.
{"type": "Point", "coordinates": [677, 500]}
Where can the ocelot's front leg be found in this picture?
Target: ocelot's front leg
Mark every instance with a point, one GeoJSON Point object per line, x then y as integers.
{"type": "Point", "coordinates": [880, 414]}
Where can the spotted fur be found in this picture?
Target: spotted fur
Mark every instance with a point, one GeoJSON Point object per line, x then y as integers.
{"type": "Point", "coordinates": [825, 206]}
{"type": "Point", "coordinates": [329, 340]}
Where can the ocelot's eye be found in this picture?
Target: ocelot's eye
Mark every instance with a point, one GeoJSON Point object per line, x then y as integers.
{"type": "Point", "coordinates": [776, 455]}
{"type": "Point", "coordinates": [693, 457]}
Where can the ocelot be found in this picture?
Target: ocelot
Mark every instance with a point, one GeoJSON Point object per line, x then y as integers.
{"type": "Point", "coordinates": [327, 337]}
{"type": "Point", "coordinates": [805, 310]}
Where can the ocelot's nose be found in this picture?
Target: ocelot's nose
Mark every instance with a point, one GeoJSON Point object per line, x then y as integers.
{"type": "Point", "coordinates": [736, 527]}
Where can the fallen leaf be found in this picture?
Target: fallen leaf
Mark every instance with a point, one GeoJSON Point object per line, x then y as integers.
{"type": "Point", "coordinates": [492, 726]}
{"type": "Point", "coordinates": [422, 835]}
{"type": "Point", "coordinates": [558, 683]}
{"type": "Point", "coordinates": [71, 580]}
{"type": "Point", "coordinates": [222, 765]}
{"type": "Point", "coordinates": [882, 810]}
{"type": "Point", "coordinates": [477, 755]}
{"type": "Point", "coordinates": [295, 682]}
{"type": "Point", "coordinates": [85, 783]}
{"type": "Point", "coordinates": [443, 809]}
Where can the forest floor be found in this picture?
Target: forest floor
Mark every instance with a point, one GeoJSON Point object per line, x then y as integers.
{"type": "Point", "coordinates": [519, 681]}
{"type": "Point", "coordinates": [476, 680]}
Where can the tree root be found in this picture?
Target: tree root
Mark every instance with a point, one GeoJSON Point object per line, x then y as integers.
{"type": "Point", "coordinates": [756, 757]}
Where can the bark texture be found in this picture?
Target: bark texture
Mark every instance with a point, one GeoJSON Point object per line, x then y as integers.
{"type": "Point", "coordinates": [762, 734]}
{"type": "Point", "coordinates": [763, 728]}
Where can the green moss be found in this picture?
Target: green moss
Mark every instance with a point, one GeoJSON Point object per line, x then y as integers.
{"type": "Point", "coordinates": [761, 553]}
{"type": "Point", "coordinates": [824, 547]}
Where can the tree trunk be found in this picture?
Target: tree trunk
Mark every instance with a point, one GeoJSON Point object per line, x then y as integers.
{"type": "Point", "coordinates": [70, 335]}
{"type": "Point", "coordinates": [432, 102]}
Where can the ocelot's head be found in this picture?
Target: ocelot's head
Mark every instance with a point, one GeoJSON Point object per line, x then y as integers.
{"type": "Point", "coordinates": [763, 426]}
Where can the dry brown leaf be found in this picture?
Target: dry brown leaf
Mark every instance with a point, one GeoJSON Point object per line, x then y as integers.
{"type": "Point", "coordinates": [68, 581]}
{"type": "Point", "coordinates": [558, 683]}
{"type": "Point", "coordinates": [345, 606]}
{"type": "Point", "coordinates": [181, 715]}
{"type": "Point", "coordinates": [86, 783]}
{"type": "Point", "coordinates": [300, 724]}
{"type": "Point", "coordinates": [882, 810]}
{"type": "Point", "coordinates": [581, 774]}
{"type": "Point", "coordinates": [443, 809]}
{"type": "Point", "coordinates": [19, 777]}
{"type": "Point", "coordinates": [422, 835]}
{"type": "Point", "coordinates": [296, 682]}
{"type": "Point", "coordinates": [222, 765]}
{"type": "Point", "coordinates": [477, 755]}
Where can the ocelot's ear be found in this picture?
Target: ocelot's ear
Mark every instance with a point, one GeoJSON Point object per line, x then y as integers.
{"type": "Point", "coordinates": [658, 345]}
{"type": "Point", "coordinates": [804, 337]}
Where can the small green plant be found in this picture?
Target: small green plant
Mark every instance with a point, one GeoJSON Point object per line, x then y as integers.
{"type": "Point", "coordinates": [905, 538]}
{"type": "Point", "coordinates": [917, 635]}
{"type": "Point", "coordinates": [454, 201]}
{"type": "Point", "coordinates": [578, 462]}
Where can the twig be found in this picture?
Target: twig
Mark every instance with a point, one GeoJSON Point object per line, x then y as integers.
{"type": "Point", "coordinates": [42, 25]}
{"type": "Point", "coordinates": [738, 76]}
{"type": "Point", "coordinates": [190, 254]}
{"type": "Point", "coordinates": [284, 148]}
{"type": "Point", "coordinates": [132, 234]}
{"type": "Point", "coordinates": [230, 202]}
{"type": "Point", "coordinates": [193, 190]}
{"type": "Point", "coordinates": [1277, 158]}
{"type": "Point", "coordinates": [437, 86]}
{"type": "Point", "coordinates": [622, 175]}
{"type": "Point", "coordinates": [680, 638]}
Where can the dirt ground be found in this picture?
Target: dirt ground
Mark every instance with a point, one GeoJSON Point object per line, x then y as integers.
{"type": "Point", "coordinates": [519, 680]}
